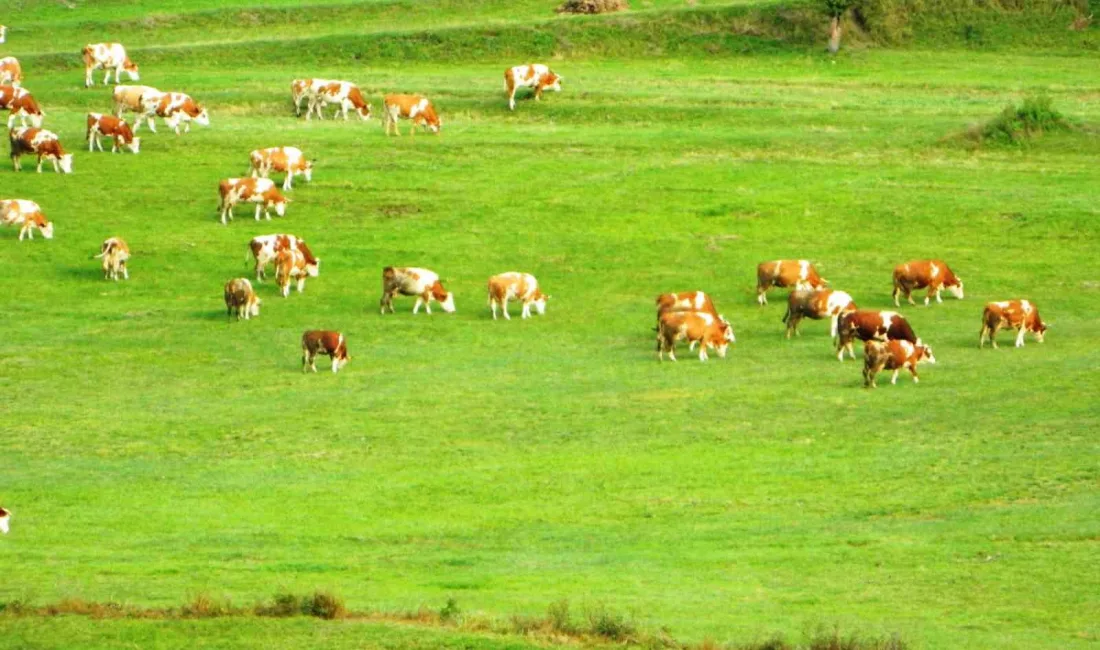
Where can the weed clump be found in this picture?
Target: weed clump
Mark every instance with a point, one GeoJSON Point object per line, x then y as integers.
{"type": "Point", "coordinates": [609, 625]}
{"type": "Point", "coordinates": [591, 6]}
{"type": "Point", "coordinates": [1018, 124]}
{"type": "Point", "coordinates": [324, 605]}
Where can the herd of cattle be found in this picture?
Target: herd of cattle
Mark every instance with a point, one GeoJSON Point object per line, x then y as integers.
{"type": "Point", "coordinates": [889, 340]}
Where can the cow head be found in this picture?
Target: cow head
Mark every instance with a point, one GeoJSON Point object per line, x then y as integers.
{"type": "Point", "coordinates": [448, 303]}
{"type": "Point", "coordinates": [280, 205]}
{"type": "Point", "coordinates": [254, 308]}
{"type": "Point", "coordinates": [5, 520]}
{"type": "Point", "coordinates": [924, 354]}
{"type": "Point", "coordinates": [307, 171]}
{"type": "Point", "coordinates": [955, 287]}
{"type": "Point", "coordinates": [203, 117]}
{"type": "Point", "coordinates": [364, 112]}
{"type": "Point", "coordinates": [340, 356]}
{"type": "Point", "coordinates": [47, 230]}
{"type": "Point", "coordinates": [551, 81]}
{"type": "Point", "coordinates": [540, 302]}
{"type": "Point", "coordinates": [36, 120]}
{"type": "Point", "coordinates": [313, 269]}
{"type": "Point", "coordinates": [134, 144]}
{"type": "Point", "coordinates": [131, 69]}
{"type": "Point", "coordinates": [66, 163]}
{"type": "Point", "coordinates": [1039, 328]}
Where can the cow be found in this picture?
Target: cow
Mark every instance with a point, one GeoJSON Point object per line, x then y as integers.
{"type": "Point", "coordinates": [289, 160]}
{"type": "Point", "coordinates": [10, 70]}
{"type": "Point", "coordinates": [240, 297]}
{"type": "Point", "coordinates": [411, 107]}
{"type": "Point", "coordinates": [799, 274]}
{"type": "Point", "coordinates": [109, 56]}
{"type": "Point", "coordinates": [706, 329]}
{"type": "Point", "coordinates": [27, 215]}
{"type": "Point", "coordinates": [43, 144]}
{"type": "Point", "coordinates": [129, 98]}
{"type": "Point", "coordinates": [535, 75]}
{"type": "Point", "coordinates": [111, 127]}
{"type": "Point", "coordinates": [816, 304]}
{"type": "Point", "coordinates": [261, 191]}
{"type": "Point", "coordinates": [871, 324]}
{"type": "Point", "coordinates": [893, 355]}
{"type": "Point", "coordinates": [315, 342]}
{"type": "Point", "coordinates": [344, 94]}
{"type": "Point", "coordinates": [174, 108]}
{"type": "Point", "coordinates": [265, 248]}
{"type": "Point", "coordinates": [21, 104]}
{"type": "Point", "coordinates": [521, 286]}
{"type": "Point", "coordinates": [919, 274]}
{"type": "Point", "coordinates": [422, 283]}
{"type": "Point", "coordinates": [290, 264]}
{"type": "Point", "coordinates": [1020, 315]}
{"type": "Point", "coordinates": [5, 514]}
{"type": "Point", "coordinates": [685, 301]}
{"type": "Point", "coordinates": [115, 253]}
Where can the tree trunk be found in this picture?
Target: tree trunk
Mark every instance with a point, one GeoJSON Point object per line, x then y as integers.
{"type": "Point", "coordinates": [834, 35]}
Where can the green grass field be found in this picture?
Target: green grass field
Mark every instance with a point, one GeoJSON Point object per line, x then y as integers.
{"type": "Point", "coordinates": [153, 451]}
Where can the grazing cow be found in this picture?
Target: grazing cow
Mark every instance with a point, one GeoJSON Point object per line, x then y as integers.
{"type": "Point", "coordinates": [919, 274]}
{"type": "Point", "coordinates": [109, 56]}
{"type": "Point", "coordinates": [1020, 315]}
{"type": "Point", "coordinates": [799, 274]}
{"type": "Point", "coordinates": [522, 286]}
{"type": "Point", "coordinates": [422, 283]}
{"type": "Point", "coordinates": [289, 160]}
{"type": "Point", "coordinates": [114, 253]}
{"type": "Point", "coordinates": [5, 514]}
{"type": "Point", "coordinates": [709, 330]}
{"type": "Point", "coordinates": [10, 70]}
{"type": "Point", "coordinates": [893, 355]}
{"type": "Point", "coordinates": [317, 342]}
{"type": "Point", "coordinates": [290, 264]}
{"type": "Point", "coordinates": [265, 248]}
{"type": "Point", "coordinates": [27, 215]}
{"type": "Point", "coordinates": [240, 297]}
{"type": "Point", "coordinates": [410, 107]}
{"type": "Point", "coordinates": [261, 191]}
{"type": "Point", "coordinates": [129, 98]}
{"type": "Point", "coordinates": [21, 104]}
{"type": "Point", "coordinates": [868, 325]}
{"type": "Point", "coordinates": [174, 108]}
{"type": "Point", "coordinates": [535, 75]}
{"type": "Point", "coordinates": [111, 127]}
{"type": "Point", "coordinates": [342, 93]}
{"type": "Point", "coordinates": [42, 143]}
{"type": "Point", "coordinates": [816, 304]}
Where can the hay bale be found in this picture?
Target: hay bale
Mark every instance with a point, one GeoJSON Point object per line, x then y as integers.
{"type": "Point", "coordinates": [591, 6]}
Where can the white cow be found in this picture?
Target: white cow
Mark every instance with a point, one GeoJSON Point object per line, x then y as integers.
{"type": "Point", "coordinates": [344, 94]}
{"type": "Point", "coordinates": [27, 215]}
{"type": "Point", "coordinates": [109, 56]}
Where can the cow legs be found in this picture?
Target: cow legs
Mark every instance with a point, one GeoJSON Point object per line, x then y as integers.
{"type": "Point", "coordinates": [88, 83]}
{"type": "Point", "coordinates": [107, 77]}
{"type": "Point", "coordinates": [504, 307]}
{"type": "Point", "coordinates": [512, 99]}
{"type": "Point", "coordinates": [416, 307]}
{"type": "Point", "coordinates": [1020, 336]}
{"type": "Point", "coordinates": [16, 164]}
{"type": "Point", "coordinates": [493, 306]}
{"type": "Point", "coordinates": [703, 352]}
{"type": "Point", "coordinates": [39, 163]}
{"type": "Point", "coordinates": [526, 313]}
{"type": "Point", "coordinates": [937, 294]}
{"type": "Point", "coordinates": [761, 294]}
{"type": "Point", "coordinates": [301, 283]}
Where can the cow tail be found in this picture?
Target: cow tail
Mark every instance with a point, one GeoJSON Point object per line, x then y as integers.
{"type": "Point", "coordinates": [787, 315]}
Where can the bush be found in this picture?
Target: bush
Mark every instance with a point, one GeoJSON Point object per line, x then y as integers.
{"type": "Point", "coordinates": [591, 6]}
{"type": "Point", "coordinates": [1017, 124]}
{"type": "Point", "coordinates": [450, 611]}
{"type": "Point", "coordinates": [609, 625]}
{"type": "Point", "coordinates": [324, 605]}
{"type": "Point", "coordinates": [558, 615]}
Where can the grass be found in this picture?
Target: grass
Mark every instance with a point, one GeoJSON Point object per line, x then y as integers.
{"type": "Point", "coordinates": [153, 451]}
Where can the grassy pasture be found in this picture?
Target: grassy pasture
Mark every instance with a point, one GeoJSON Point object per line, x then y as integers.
{"type": "Point", "coordinates": [153, 451]}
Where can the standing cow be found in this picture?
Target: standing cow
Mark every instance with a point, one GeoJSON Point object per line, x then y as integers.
{"type": "Point", "coordinates": [893, 355]}
{"type": "Point", "coordinates": [521, 286]}
{"type": "Point", "coordinates": [918, 274]}
{"type": "Point", "coordinates": [10, 70]}
{"type": "Point", "coordinates": [129, 98]}
{"type": "Point", "coordinates": [265, 248]}
{"type": "Point", "coordinates": [708, 330]}
{"type": "Point", "coordinates": [109, 56]}
{"type": "Point", "coordinates": [27, 215]}
{"type": "Point", "coordinates": [868, 325]}
{"type": "Point", "coordinates": [291, 265]}
{"type": "Point", "coordinates": [799, 274]}
{"type": "Point", "coordinates": [410, 281]}
{"type": "Point", "coordinates": [1020, 315]}
{"type": "Point", "coordinates": [317, 342]}
{"type": "Point", "coordinates": [344, 94]}
{"type": "Point", "coordinates": [816, 304]}
{"type": "Point", "coordinates": [261, 191]}
{"type": "Point", "coordinates": [115, 254]}
{"type": "Point", "coordinates": [43, 144]}
{"type": "Point", "coordinates": [288, 160]}
{"type": "Point", "coordinates": [20, 103]}
{"type": "Point", "coordinates": [173, 108]}
{"type": "Point", "coordinates": [535, 75]}
{"type": "Point", "coordinates": [110, 126]}
{"type": "Point", "coordinates": [414, 108]}
{"type": "Point", "coordinates": [240, 297]}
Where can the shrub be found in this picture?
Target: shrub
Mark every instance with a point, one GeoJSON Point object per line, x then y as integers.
{"type": "Point", "coordinates": [203, 606]}
{"type": "Point", "coordinates": [1017, 124]}
{"type": "Point", "coordinates": [324, 605]}
{"type": "Point", "coordinates": [558, 615]}
{"type": "Point", "coordinates": [450, 611]}
{"type": "Point", "coordinates": [282, 606]}
{"type": "Point", "coordinates": [591, 6]}
{"type": "Point", "coordinates": [609, 625]}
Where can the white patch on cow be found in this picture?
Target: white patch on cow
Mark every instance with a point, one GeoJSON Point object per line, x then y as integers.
{"type": "Point", "coordinates": [448, 303]}
{"type": "Point", "coordinates": [5, 523]}
{"type": "Point", "coordinates": [700, 299]}
{"type": "Point", "coordinates": [935, 270]}
{"type": "Point", "coordinates": [803, 269]}
{"type": "Point", "coordinates": [837, 301]}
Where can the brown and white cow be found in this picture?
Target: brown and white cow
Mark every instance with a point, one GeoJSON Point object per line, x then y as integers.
{"type": "Point", "coordinates": [317, 342]}
{"type": "Point", "coordinates": [411, 281]}
{"type": "Point", "coordinates": [261, 191]}
{"type": "Point", "coordinates": [535, 75]}
{"type": "Point", "coordinates": [5, 514]}
{"type": "Point", "coordinates": [240, 297]}
{"type": "Point", "coordinates": [799, 274]}
{"type": "Point", "coordinates": [21, 104]}
{"type": "Point", "coordinates": [871, 325]}
{"type": "Point", "coordinates": [344, 94]}
{"type": "Point", "coordinates": [415, 108]}
{"type": "Point", "coordinates": [709, 330]}
{"type": "Point", "coordinates": [919, 274]}
{"type": "Point", "coordinates": [291, 265]}
{"type": "Point", "coordinates": [110, 126]}
{"type": "Point", "coordinates": [129, 98]}
{"type": "Point", "coordinates": [265, 248]}
{"type": "Point", "coordinates": [288, 160]}
{"type": "Point", "coordinates": [1020, 315]}
{"type": "Point", "coordinates": [43, 144]}
{"type": "Point", "coordinates": [893, 355]}
{"type": "Point", "coordinates": [521, 286]}
{"type": "Point", "coordinates": [816, 304]}
{"type": "Point", "coordinates": [109, 56]}
{"type": "Point", "coordinates": [27, 215]}
{"type": "Point", "coordinates": [685, 301]}
{"type": "Point", "coordinates": [10, 70]}
{"type": "Point", "coordinates": [173, 108]}
{"type": "Point", "coordinates": [115, 253]}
